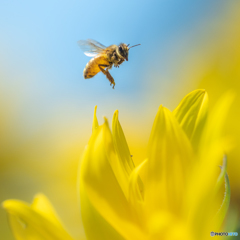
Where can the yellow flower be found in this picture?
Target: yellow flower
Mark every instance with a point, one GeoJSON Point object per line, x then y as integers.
{"type": "Point", "coordinates": [178, 192]}
{"type": "Point", "coordinates": [37, 221]}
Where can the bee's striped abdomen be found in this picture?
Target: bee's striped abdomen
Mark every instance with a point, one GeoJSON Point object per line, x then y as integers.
{"type": "Point", "coordinates": [92, 67]}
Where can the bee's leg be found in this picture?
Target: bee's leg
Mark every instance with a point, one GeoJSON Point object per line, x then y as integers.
{"type": "Point", "coordinates": [120, 62]}
{"type": "Point", "coordinates": [107, 74]}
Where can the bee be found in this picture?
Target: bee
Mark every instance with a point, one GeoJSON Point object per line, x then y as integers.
{"type": "Point", "coordinates": [103, 58]}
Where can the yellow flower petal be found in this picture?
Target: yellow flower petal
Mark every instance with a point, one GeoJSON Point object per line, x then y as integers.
{"type": "Point", "coordinates": [42, 205]}
{"type": "Point", "coordinates": [169, 163]}
{"type": "Point", "coordinates": [191, 114]}
{"type": "Point", "coordinates": [165, 225]}
{"type": "Point", "coordinates": [95, 226]}
{"type": "Point", "coordinates": [32, 222]}
{"type": "Point", "coordinates": [213, 131]}
{"type": "Point", "coordinates": [122, 150]}
{"type": "Point", "coordinates": [200, 195]}
{"type": "Point", "coordinates": [136, 197]}
{"type": "Point", "coordinates": [121, 145]}
{"type": "Point", "coordinates": [95, 121]}
{"type": "Point", "coordinates": [102, 188]}
{"type": "Point", "coordinates": [226, 200]}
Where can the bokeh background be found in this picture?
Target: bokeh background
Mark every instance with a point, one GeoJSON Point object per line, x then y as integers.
{"type": "Point", "coordinates": [46, 107]}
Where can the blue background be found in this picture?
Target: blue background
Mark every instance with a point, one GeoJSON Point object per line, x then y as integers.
{"type": "Point", "coordinates": [39, 46]}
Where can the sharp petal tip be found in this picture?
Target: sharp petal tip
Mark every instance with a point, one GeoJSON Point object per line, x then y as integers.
{"type": "Point", "coordinates": [95, 109]}
{"type": "Point", "coordinates": [116, 113]}
{"type": "Point", "coordinates": [161, 107]}
{"type": "Point", "coordinates": [105, 120]}
{"type": "Point", "coordinates": [5, 204]}
{"type": "Point", "coordinates": [39, 195]}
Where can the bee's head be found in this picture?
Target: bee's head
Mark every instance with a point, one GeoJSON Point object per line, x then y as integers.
{"type": "Point", "coordinates": [123, 50]}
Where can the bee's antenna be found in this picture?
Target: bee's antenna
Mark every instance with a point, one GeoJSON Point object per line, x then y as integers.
{"type": "Point", "coordinates": [134, 45]}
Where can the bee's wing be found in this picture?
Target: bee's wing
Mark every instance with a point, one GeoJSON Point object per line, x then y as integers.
{"type": "Point", "coordinates": [91, 47]}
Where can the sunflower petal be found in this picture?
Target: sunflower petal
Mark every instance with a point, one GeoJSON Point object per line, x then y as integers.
{"type": "Point", "coordinates": [221, 177]}
{"type": "Point", "coordinates": [191, 114]}
{"type": "Point", "coordinates": [136, 196]}
{"type": "Point", "coordinates": [204, 175]}
{"type": "Point", "coordinates": [95, 121]}
{"type": "Point", "coordinates": [169, 161]}
{"type": "Point", "coordinates": [226, 200]}
{"type": "Point", "coordinates": [122, 150]}
{"type": "Point", "coordinates": [92, 219]}
{"type": "Point", "coordinates": [42, 205]}
{"type": "Point", "coordinates": [101, 187]}
{"type": "Point", "coordinates": [29, 222]}
{"type": "Point", "coordinates": [121, 145]}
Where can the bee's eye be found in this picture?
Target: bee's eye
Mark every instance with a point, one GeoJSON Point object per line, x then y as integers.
{"type": "Point", "coordinates": [120, 49]}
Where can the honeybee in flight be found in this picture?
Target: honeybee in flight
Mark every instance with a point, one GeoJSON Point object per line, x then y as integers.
{"type": "Point", "coordinates": [103, 58]}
